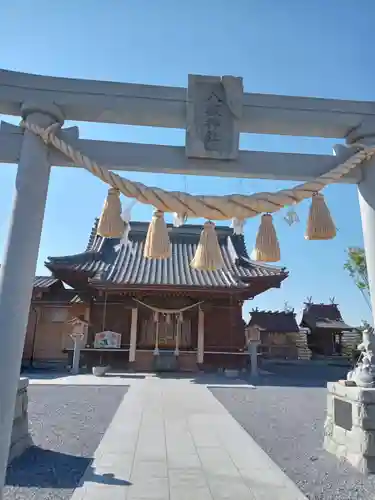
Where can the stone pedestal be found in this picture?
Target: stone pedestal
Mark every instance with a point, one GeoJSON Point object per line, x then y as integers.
{"type": "Point", "coordinates": [21, 439]}
{"type": "Point", "coordinates": [349, 430]}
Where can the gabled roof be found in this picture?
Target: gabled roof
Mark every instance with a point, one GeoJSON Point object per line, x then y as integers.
{"type": "Point", "coordinates": [103, 263]}
{"type": "Point", "coordinates": [325, 316]}
{"type": "Point", "coordinates": [45, 282]}
{"type": "Point", "coordinates": [274, 321]}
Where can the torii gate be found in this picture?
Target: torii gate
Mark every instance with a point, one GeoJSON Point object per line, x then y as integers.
{"type": "Point", "coordinates": [42, 101]}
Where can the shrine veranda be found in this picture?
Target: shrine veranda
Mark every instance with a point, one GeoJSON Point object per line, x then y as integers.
{"type": "Point", "coordinates": [211, 149]}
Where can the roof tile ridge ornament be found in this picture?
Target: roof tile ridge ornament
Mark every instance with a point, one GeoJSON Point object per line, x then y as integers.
{"type": "Point", "coordinates": [74, 255]}
{"type": "Point", "coordinates": [92, 234]}
{"type": "Point", "coordinates": [239, 245]}
{"type": "Point", "coordinates": [264, 265]}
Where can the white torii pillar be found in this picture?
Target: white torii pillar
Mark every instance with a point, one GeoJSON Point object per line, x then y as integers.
{"type": "Point", "coordinates": [365, 134]}
{"type": "Point", "coordinates": [19, 264]}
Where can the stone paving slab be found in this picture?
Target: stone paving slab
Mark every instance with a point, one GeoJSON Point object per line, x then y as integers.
{"type": "Point", "coordinates": [172, 440]}
{"type": "Point", "coordinates": [115, 379]}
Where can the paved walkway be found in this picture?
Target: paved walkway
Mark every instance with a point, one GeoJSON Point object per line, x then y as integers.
{"type": "Point", "coordinates": [172, 440]}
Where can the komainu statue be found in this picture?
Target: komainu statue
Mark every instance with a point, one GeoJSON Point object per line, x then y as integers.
{"type": "Point", "coordinates": [364, 373]}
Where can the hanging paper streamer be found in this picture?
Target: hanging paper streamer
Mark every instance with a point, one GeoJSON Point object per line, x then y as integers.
{"type": "Point", "coordinates": [291, 217]}
{"type": "Point", "coordinates": [238, 225]}
{"type": "Point", "coordinates": [179, 219]}
{"type": "Point", "coordinates": [126, 217]}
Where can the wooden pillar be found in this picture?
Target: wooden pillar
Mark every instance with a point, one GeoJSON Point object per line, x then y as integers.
{"type": "Point", "coordinates": [200, 346]}
{"type": "Point", "coordinates": [87, 318]}
{"type": "Point", "coordinates": [77, 340]}
{"type": "Point", "coordinates": [179, 321]}
{"type": "Point", "coordinates": [157, 324]}
{"type": "Point", "coordinates": [133, 334]}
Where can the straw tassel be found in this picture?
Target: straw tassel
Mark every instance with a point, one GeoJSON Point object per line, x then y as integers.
{"type": "Point", "coordinates": [110, 223]}
{"type": "Point", "coordinates": [320, 225]}
{"type": "Point", "coordinates": [208, 255]}
{"type": "Point", "coordinates": [267, 247]}
{"type": "Point", "coordinates": [157, 245]}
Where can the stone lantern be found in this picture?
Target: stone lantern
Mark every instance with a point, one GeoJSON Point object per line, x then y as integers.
{"type": "Point", "coordinates": [78, 333]}
{"type": "Point", "coordinates": [253, 341]}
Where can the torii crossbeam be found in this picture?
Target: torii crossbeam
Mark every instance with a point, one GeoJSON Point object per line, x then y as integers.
{"type": "Point", "coordinates": [45, 100]}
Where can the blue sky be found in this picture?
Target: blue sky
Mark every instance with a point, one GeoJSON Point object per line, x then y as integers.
{"type": "Point", "coordinates": [320, 48]}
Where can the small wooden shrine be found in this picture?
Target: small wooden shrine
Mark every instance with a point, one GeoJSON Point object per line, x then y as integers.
{"type": "Point", "coordinates": [326, 326]}
{"type": "Point", "coordinates": [279, 333]}
{"type": "Point", "coordinates": [169, 315]}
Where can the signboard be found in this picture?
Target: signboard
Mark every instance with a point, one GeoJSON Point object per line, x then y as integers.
{"type": "Point", "coordinates": [252, 334]}
{"type": "Point", "coordinates": [107, 339]}
{"type": "Point", "coordinates": [343, 414]}
{"type": "Point", "coordinates": [214, 111]}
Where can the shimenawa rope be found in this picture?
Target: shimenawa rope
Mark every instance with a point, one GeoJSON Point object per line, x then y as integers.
{"type": "Point", "coordinates": [236, 207]}
{"type": "Point", "coordinates": [208, 207]}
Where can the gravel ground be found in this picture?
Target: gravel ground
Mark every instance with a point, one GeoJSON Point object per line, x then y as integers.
{"type": "Point", "coordinates": [67, 424]}
{"type": "Point", "coordinates": [285, 415]}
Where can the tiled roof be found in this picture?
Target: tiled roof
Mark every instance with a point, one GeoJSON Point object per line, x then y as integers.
{"type": "Point", "coordinates": [326, 316]}
{"type": "Point", "coordinates": [45, 281]}
{"type": "Point", "coordinates": [76, 299]}
{"type": "Point", "coordinates": [274, 321]}
{"type": "Point", "coordinates": [104, 263]}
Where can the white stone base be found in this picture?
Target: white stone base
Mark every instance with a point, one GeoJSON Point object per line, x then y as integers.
{"type": "Point", "coordinates": [21, 439]}
{"type": "Point", "coordinates": [349, 430]}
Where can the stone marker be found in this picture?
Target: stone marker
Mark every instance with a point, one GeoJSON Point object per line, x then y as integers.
{"type": "Point", "coordinates": [349, 430]}
{"type": "Point", "coordinates": [21, 439]}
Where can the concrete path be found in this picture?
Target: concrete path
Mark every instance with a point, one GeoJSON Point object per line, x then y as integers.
{"type": "Point", "coordinates": [172, 440]}
{"type": "Point", "coordinates": [127, 379]}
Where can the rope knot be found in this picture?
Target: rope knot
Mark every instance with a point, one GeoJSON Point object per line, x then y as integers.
{"type": "Point", "coordinates": [49, 132]}
{"type": "Point", "coordinates": [46, 134]}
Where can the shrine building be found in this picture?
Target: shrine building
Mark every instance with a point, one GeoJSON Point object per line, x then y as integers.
{"type": "Point", "coordinates": [327, 328]}
{"type": "Point", "coordinates": [279, 335]}
{"type": "Point", "coordinates": [167, 314]}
